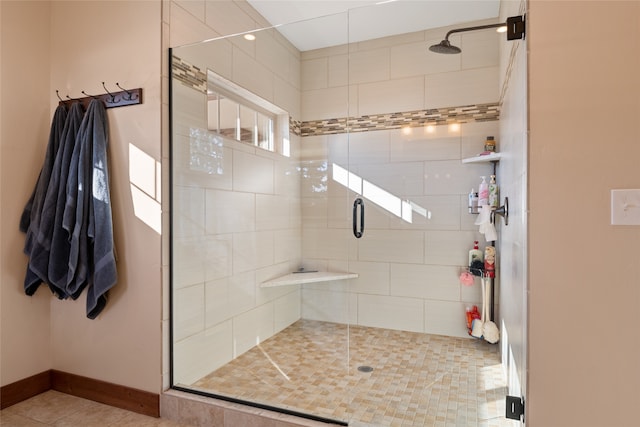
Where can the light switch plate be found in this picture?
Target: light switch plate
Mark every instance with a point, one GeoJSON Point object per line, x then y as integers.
{"type": "Point", "coordinates": [625, 207]}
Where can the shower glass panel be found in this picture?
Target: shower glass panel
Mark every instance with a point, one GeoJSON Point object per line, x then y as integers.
{"type": "Point", "coordinates": [278, 157]}
{"type": "Point", "coordinates": [254, 251]}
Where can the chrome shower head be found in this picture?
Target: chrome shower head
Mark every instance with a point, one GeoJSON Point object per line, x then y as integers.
{"type": "Point", "coordinates": [445, 47]}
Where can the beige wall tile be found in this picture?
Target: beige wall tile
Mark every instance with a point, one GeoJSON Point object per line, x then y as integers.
{"type": "Point", "coordinates": [253, 76]}
{"type": "Point", "coordinates": [369, 66]}
{"type": "Point", "coordinates": [391, 96]}
{"type": "Point", "coordinates": [406, 314]}
{"type": "Point", "coordinates": [480, 49]}
{"type": "Point", "coordinates": [391, 246]}
{"type": "Point", "coordinates": [324, 104]}
{"type": "Point", "coordinates": [227, 18]}
{"type": "Point", "coordinates": [415, 59]}
{"type": "Point", "coordinates": [189, 311]}
{"type": "Point", "coordinates": [185, 29]}
{"type": "Point", "coordinates": [229, 211]}
{"type": "Point", "coordinates": [201, 353]}
{"type": "Point", "coordinates": [435, 282]}
{"type": "Point", "coordinates": [252, 328]}
{"type": "Point", "coordinates": [461, 88]}
{"type": "Point", "coordinates": [443, 317]}
{"type": "Point", "coordinates": [315, 74]}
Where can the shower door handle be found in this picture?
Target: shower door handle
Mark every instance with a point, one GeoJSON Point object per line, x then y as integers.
{"type": "Point", "coordinates": [358, 232]}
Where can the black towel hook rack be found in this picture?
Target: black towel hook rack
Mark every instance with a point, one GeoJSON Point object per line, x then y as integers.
{"type": "Point", "coordinates": [110, 100]}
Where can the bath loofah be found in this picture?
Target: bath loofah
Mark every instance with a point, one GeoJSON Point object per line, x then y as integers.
{"type": "Point", "coordinates": [466, 278]}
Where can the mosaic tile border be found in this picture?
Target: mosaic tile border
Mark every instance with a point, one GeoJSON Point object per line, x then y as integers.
{"type": "Point", "coordinates": [195, 78]}
{"type": "Point", "coordinates": [189, 75]}
{"type": "Point", "coordinates": [419, 118]}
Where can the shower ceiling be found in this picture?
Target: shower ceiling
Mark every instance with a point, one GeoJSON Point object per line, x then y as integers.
{"type": "Point", "coordinates": [365, 23]}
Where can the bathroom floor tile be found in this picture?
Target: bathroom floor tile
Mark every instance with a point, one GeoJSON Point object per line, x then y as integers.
{"type": "Point", "coordinates": [55, 409]}
{"type": "Point", "coordinates": [416, 379]}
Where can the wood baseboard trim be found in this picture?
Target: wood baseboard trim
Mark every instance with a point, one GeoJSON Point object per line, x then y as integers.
{"type": "Point", "coordinates": [24, 389]}
{"type": "Point", "coordinates": [131, 399]}
{"type": "Point", "coordinates": [115, 395]}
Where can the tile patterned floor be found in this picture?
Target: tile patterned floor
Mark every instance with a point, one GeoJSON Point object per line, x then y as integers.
{"type": "Point", "coordinates": [57, 409]}
{"type": "Point", "coordinates": [417, 379]}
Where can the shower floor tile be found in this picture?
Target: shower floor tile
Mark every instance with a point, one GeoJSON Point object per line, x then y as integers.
{"type": "Point", "coordinates": [417, 379]}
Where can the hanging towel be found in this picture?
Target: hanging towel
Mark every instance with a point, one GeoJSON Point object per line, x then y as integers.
{"type": "Point", "coordinates": [41, 248]}
{"type": "Point", "coordinates": [92, 252]}
{"type": "Point", "coordinates": [41, 243]}
{"type": "Point", "coordinates": [61, 239]}
{"type": "Point", "coordinates": [100, 220]}
{"type": "Point", "coordinates": [35, 201]}
{"type": "Point", "coordinates": [31, 215]}
{"type": "Point", "coordinates": [50, 256]}
{"type": "Point", "coordinates": [75, 218]}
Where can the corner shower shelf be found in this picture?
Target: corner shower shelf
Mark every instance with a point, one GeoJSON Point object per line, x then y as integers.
{"type": "Point", "coordinates": [493, 157]}
{"type": "Point", "coordinates": [311, 277]}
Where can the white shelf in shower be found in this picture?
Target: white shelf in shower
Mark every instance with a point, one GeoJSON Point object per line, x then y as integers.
{"type": "Point", "coordinates": [311, 277]}
{"type": "Point", "coordinates": [493, 157]}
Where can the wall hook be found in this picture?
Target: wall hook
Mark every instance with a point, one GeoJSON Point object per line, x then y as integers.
{"type": "Point", "coordinates": [113, 98]}
{"type": "Point", "coordinates": [503, 211]}
{"type": "Point", "coordinates": [90, 96]}
{"type": "Point", "coordinates": [131, 94]}
{"type": "Point", "coordinates": [58, 95]}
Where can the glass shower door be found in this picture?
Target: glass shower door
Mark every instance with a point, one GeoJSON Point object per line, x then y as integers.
{"type": "Point", "coordinates": [260, 307]}
{"type": "Point", "coordinates": [319, 219]}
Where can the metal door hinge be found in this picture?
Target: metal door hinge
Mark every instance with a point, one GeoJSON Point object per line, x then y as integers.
{"type": "Point", "coordinates": [515, 408]}
{"type": "Point", "coordinates": [515, 27]}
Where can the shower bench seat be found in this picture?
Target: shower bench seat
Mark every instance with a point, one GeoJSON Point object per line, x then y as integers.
{"type": "Point", "coordinates": [310, 277]}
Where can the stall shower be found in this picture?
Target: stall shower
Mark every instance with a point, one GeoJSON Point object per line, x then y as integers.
{"type": "Point", "coordinates": [278, 158]}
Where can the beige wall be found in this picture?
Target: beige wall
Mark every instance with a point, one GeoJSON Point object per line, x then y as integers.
{"type": "Point", "coordinates": [25, 337]}
{"type": "Point", "coordinates": [74, 46]}
{"type": "Point", "coordinates": [584, 281]}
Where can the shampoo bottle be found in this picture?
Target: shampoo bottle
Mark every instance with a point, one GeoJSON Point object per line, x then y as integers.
{"type": "Point", "coordinates": [483, 193]}
{"type": "Point", "coordinates": [490, 262]}
{"type": "Point", "coordinates": [475, 254]}
{"type": "Point", "coordinates": [473, 202]}
{"type": "Point", "coordinates": [493, 192]}
{"type": "Point", "coordinates": [490, 144]}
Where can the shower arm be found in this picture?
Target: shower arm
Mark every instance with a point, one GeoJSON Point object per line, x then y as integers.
{"type": "Point", "coordinates": [478, 27]}
{"type": "Point", "coordinates": [515, 28]}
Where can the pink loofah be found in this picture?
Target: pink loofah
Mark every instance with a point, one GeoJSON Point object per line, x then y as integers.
{"type": "Point", "coordinates": [466, 278]}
